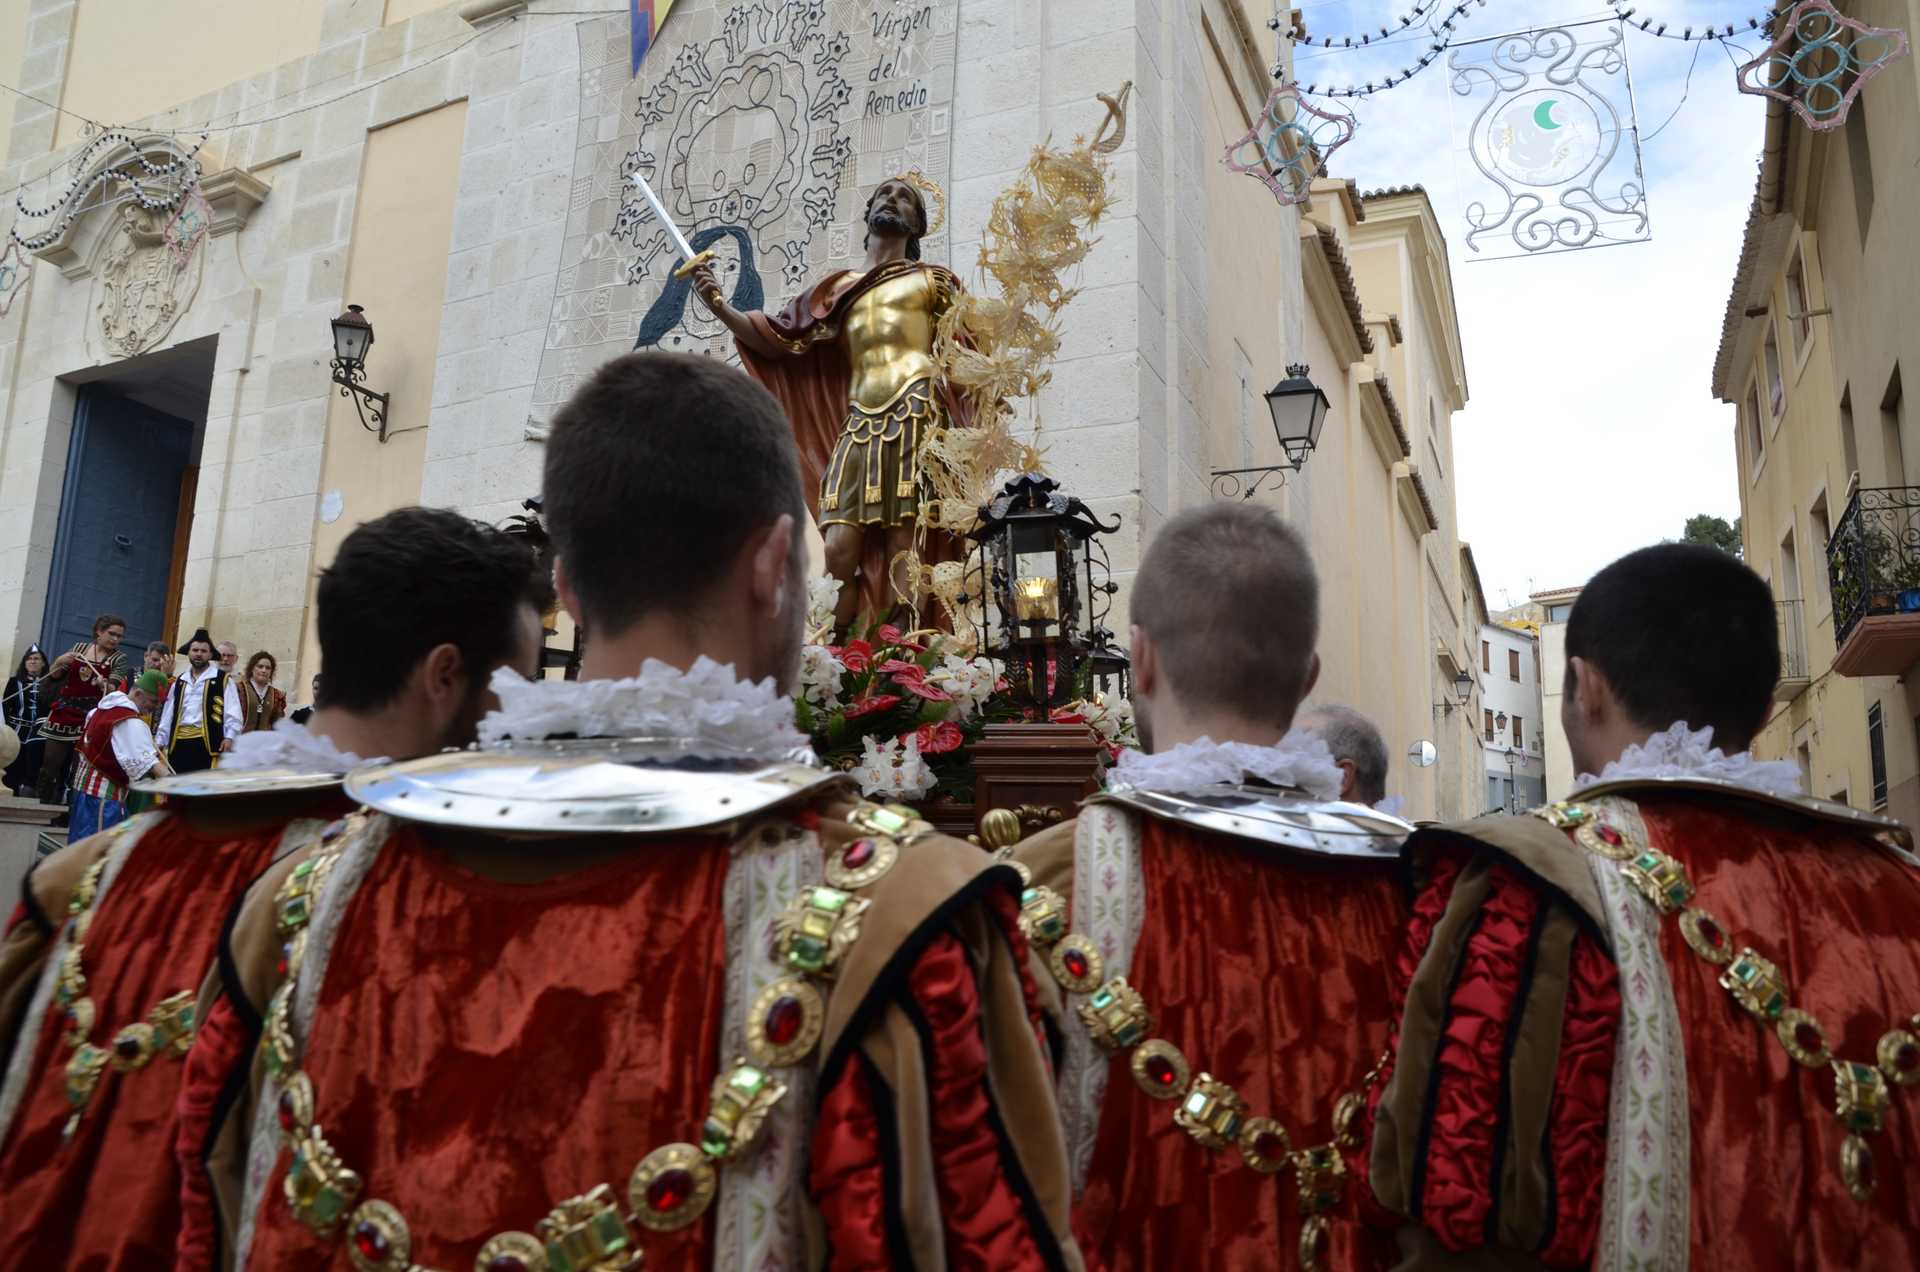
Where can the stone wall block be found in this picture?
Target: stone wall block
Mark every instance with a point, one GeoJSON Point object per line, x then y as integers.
{"type": "Point", "coordinates": [411, 94]}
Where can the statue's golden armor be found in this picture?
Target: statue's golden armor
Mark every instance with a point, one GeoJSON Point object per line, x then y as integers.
{"type": "Point", "coordinates": [873, 475]}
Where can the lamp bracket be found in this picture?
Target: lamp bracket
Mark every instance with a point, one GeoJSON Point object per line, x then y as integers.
{"type": "Point", "coordinates": [366, 402]}
{"type": "Point", "coordinates": [1229, 482]}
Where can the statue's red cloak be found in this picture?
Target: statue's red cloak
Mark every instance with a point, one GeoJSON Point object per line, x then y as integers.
{"type": "Point", "coordinates": [798, 356]}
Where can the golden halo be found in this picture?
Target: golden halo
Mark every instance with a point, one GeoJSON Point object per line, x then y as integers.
{"type": "Point", "coordinates": [929, 188]}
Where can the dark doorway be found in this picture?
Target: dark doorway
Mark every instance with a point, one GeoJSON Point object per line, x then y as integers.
{"type": "Point", "coordinates": [120, 544]}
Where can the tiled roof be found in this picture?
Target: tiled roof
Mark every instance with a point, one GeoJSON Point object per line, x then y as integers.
{"type": "Point", "coordinates": [1343, 278]}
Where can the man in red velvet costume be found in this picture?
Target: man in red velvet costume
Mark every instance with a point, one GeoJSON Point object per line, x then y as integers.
{"type": "Point", "coordinates": [630, 980]}
{"type": "Point", "coordinates": [1222, 930]}
{"type": "Point", "coordinates": [1670, 1021]}
{"type": "Point", "coordinates": [114, 934]}
{"type": "Point", "coordinates": [852, 362]}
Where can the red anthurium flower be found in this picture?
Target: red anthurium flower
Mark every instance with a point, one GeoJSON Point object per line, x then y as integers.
{"type": "Point", "coordinates": [901, 667]}
{"type": "Point", "coordinates": [855, 655]}
{"type": "Point", "coordinates": [887, 634]}
{"type": "Point", "coordinates": [870, 706]}
{"type": "Point", "coordinates": [921, 689]}
{"type": "Point", "coordinates": [938, 739]}
{"type": "Point", "coordinates": [1063, 716]}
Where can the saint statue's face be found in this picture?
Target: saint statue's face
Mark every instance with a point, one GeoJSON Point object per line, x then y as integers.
{"type": "Point", "coordinates": [896, 210]}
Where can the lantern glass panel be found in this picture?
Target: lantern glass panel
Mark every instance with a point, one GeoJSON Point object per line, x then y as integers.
{"type": "Point", "coordinates": [1036, 581]}
{"type": "Point", "coordinates": [350, 341]}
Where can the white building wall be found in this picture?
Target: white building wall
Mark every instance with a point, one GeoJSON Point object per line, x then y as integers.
{"type": "Point", "coordinates": [1515, 698]}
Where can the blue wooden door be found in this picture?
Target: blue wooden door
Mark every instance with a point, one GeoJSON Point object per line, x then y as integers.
{"type": "Point", "coordinates": [114, 545]}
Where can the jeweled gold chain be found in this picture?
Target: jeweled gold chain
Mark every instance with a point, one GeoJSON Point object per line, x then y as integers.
{"type": "Point", "coordinates": [1209, 1110]}
{"type": "Point", "coordinates": [167, 1030]}
{"type": "Point", "coordinates": [1861, 1096]}
{"type": "Point", "coordinates": [673, 1185]}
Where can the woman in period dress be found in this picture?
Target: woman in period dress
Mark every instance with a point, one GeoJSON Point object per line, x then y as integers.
{"type": "Point", "coordinates": [20, 707]}
{"type": "Point", "coordinates": [260, 702]}
{"type": "Point", "coordinates": [71, 688]}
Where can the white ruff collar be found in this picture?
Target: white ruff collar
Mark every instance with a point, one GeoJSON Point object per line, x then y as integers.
{"type": "Point", "coordinates": [1301, 760]}
{"type": "Point", "coordinates": [1684, 752]}
{"type": "Point", "coordinates": [290, 746]}
{"type": "Point", "coordinates": [705, 704]}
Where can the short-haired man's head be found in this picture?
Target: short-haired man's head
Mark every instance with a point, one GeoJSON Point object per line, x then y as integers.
{"type": "Point", "coordinates": [1228, 595]}
{"type": "Point", "coordinates": [660, 470]}
{"type": "Point", "coordinates": [1353, 740]}
{"type": "Point", "coordinates": [408, 582]}
{"type": "Point", "coordinates": [899, 207]}
{"type": "Point", "coordinates": [1681, 632]}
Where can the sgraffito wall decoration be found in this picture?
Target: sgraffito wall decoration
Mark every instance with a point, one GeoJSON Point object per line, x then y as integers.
{"type": "Point", "coordinates": [762, 125]}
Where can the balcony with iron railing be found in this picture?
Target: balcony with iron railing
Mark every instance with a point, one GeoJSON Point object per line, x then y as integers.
{"type": "Point", "coordinates": [1792, 630]}
{"type": "Point", "coordinates": [1873, 567]}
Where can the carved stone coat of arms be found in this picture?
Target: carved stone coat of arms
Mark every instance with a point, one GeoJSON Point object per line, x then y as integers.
{"type": "Point", "coordinates": [141, 286]}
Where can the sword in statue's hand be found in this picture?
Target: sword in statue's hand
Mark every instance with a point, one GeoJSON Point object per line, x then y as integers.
{"type": "Point", "coordinates": [690, 260]}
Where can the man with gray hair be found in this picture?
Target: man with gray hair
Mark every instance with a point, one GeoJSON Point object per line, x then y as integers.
{"type": "Point", "coordinates": [1358, 749]}
{"type": "Point", "coordinates": [1223, 924]}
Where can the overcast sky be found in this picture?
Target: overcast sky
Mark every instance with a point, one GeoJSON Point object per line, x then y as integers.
{"type": "Point", "coordinates": [1591, 428]}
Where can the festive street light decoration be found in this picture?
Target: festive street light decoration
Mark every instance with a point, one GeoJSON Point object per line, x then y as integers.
{"type": "Point", "coordinates": [1299, 409]}
{"type": "Point", "coordinates": [1290, 143]}
{"type": "Point", "coordinates": [1036, 568]}
{"type": "Point", "coordinates": [352, 338]}
{"type": "Point", "coordinates": [1819, 61]}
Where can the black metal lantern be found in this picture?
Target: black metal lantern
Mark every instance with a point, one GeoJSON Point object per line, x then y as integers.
{"type": "Point", "coordinates": [352, 338]}
{"type": "Point", "coordinates": [1035, 574]}
{"type": "Point", "coordinates": [1112, 669]}
{"type": "Point", "coordinates": [1298, 408]}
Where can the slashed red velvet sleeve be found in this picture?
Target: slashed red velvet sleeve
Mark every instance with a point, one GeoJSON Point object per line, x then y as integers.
{"type": "Point", "coordinates": [1465, 1112]}
{"type": "Point", "coordinates": [987, 1220]}
{"type": "Point", "coordinates": [1429, 903]}
{"type": "Point", "coordinates": [847, 1174]}
{"type": "Point", "coordinates": [220, 1050]}
{"type": "Point", "coordinates": [1583, 1082]}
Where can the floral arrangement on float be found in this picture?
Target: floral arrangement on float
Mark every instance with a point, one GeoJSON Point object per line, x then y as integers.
{"type": "Point", "coordinates": [897, 709]}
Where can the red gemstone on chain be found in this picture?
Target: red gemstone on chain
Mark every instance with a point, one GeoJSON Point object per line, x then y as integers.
{"type": "Point", "coordinates": [1711, 930]}
{"type": "Point", "coordinates": [1907, 1057]}
{"type": "Point", "coordinates": [1161, 1071]}
{"type": "Point", "coordinates": [1608, 835]}
{"type": "Point", "coordinates": [286, 1111]}
{"type": "Point", "coordinates": [1809, 1038]}
{"type": "Point", "coordinates": [669, 1190]}
{"type": "Point", "coordinates": [1075, 962]}
{"type": "Point", "coordinates": [1319, 1243]}
{"type": "Point", "coordinates": [127, 1048]}
{"type": "Point", "coordinates": [783, 1021]}
{"type": "Point", "coordinates": [1269, 1147]}
{"type": "Point", "coordinates": [1863, 1167]}
{"type": "Point", "coordinates": [858, 854]}
{"type": "Point", "coordinates": [370, 1241]}
{"type": "Point", "coordinates": [506, 1263]}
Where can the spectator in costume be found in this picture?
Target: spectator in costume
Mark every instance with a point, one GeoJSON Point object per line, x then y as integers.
{"type": "Point", "coordinates": [415, 608]}
{"type": "Point", "coordinates": [1667, 1022]}
{"type": "Point", "coordinates": [260, 703]}
{"type": "Point", "coordinates": [116, 750]}
{"type": "Point", "coordinates": [74, 685]}
{"type": "Point", "coordinates": [229, 657]}
{"type": "Point", "coordinates": [20, 707]}
{"type": "Point", "coordinates": [202, 715]}
{"type": "Point", "coordinates": [302, 714]}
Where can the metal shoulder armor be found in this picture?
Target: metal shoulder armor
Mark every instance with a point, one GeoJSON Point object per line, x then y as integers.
{"type": "Point", "coordinates": [584, 787]}
{"type": "Point", "coordinates": [1270, 815]}
{"type": "Point", "coordinates": [230, 784]}
{"type": "Point", "coordinates": [1890, 832]}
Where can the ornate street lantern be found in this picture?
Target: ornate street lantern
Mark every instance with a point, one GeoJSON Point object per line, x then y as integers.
{"type": "Point", "coordinates": [1299, 409]}
{"type": "Point", "coordinates": [352, 338]}
{"type": "Point", "coordinates": [1035, 568]}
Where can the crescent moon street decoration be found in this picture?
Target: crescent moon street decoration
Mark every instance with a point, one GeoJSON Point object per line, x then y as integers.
{"type": "Point", "coordinates": [1554, 139]}
{"type": "Point", "coordinates": [1819, 62]}
{"type": "Point", "coordinates": [1290, 143]}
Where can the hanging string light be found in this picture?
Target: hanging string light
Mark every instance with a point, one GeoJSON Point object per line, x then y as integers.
{"type": "Point", "coordinates": [1669, 30]}
{"type": "Point", "coordinates": [183, 172]}
{"type": "Point", "coordinates": [1365, 39]}
{"type": "Point", "coordinates": [1405, 73]}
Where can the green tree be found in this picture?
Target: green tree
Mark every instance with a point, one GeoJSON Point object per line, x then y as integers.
{"type": "Point", "coordinates": [1713, 532]}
